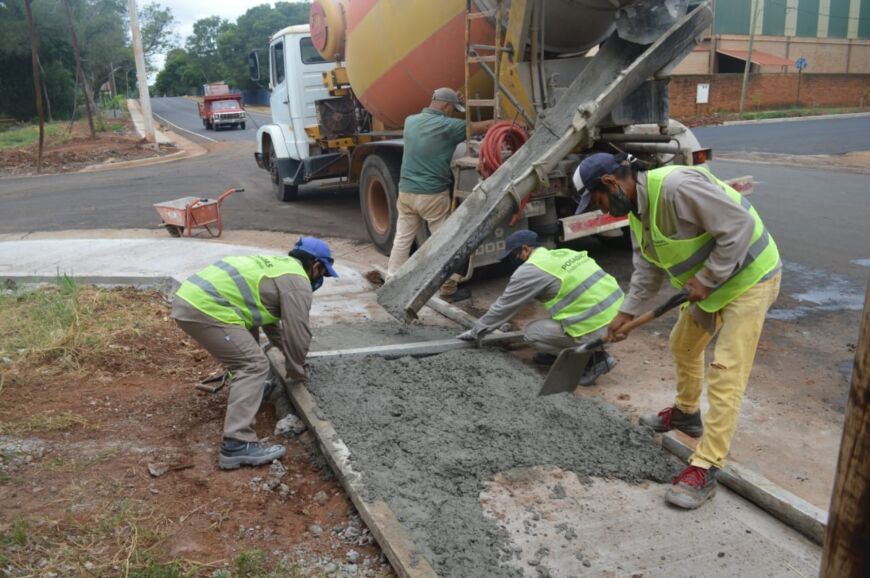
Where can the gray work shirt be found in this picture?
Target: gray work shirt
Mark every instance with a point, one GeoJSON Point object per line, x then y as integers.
{"type": "Point", "coordinates": [690, 204]}
{"type": "Point", "coordinates": [526, 284]}
{"type": "Point", "coordinates": [287, 297]}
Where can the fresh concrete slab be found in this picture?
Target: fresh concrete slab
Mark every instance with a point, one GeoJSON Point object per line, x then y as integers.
{"type": "Point", "coordinates": [560, 526]}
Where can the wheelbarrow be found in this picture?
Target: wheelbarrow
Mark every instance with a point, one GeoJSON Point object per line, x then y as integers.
{"type": "Point", "coordinates": [187, 213]}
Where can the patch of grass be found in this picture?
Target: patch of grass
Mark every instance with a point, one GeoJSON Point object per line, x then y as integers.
{"type": "Point", "coordinates": [793, 112]}
{"type": "Point", "coordinates": [252, 564]}
{"type": "Point", "coordinates": [44, 422]}
{"type": "Point", "coordinates": [64, 325]}
{"type": "Point", "coordinates": [24, 136]}
{"type": "Point", "coordinates": [16, 535]}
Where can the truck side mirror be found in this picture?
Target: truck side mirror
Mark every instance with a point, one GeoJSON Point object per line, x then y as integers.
{"type": "Point", "coordinates": [254, 65]}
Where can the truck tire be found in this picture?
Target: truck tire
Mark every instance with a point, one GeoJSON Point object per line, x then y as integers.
{"type": "Point", "coordinates": [378, 195]}
{"type": "Point", "coordinates": [205, 124]}
{"type": "Point", "coordinates": [284, 193]}
{"type": "Point", "coordinates": [242, 126]}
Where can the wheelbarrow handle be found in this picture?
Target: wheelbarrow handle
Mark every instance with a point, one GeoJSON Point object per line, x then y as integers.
{"type": "Point", "coordinates": [227, 193]}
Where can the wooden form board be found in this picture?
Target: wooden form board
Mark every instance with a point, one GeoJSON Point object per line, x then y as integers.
{"type": "Point", "coordinates": [417, 348]}
{"type": "Point", "coordinates": [782, 504]}
{"type": "Point", "coordinates": [400, 550]}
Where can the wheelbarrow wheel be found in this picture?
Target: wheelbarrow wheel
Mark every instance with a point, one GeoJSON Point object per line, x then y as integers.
{"type": "Point", "coordinates": [174, 230]}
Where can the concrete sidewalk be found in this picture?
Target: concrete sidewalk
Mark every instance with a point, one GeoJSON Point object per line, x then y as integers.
{"type": "Point", "coordinates": [165, 263]}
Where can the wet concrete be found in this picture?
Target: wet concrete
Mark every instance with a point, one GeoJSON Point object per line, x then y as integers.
{"type": "Point", "coordinates": [350, 335]}
{"type": "Point", "coordinates": [428, 434]}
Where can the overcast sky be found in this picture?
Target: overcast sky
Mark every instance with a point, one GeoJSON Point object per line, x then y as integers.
{"type": "Point", "coordinates": [186, 12]}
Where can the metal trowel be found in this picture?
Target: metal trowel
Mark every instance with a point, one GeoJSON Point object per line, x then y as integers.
{"type": "Point", "coordinates": [566, 371]}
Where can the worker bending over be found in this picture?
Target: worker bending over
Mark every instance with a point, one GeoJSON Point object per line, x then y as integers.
{"type": "Point", "coordinates": [695, 229]}
{"type": "Point", "coordinates": [430, 137]}
{"type": "Point", "coordinates": [579, 296]}
{"type": "Point", "coordinates": [223, 306]}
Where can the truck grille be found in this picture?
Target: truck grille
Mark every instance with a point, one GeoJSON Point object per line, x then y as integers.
{"type": "Point", "coordinates": [230, 115]}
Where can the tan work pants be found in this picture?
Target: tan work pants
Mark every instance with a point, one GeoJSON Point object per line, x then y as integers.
{"type": "Point", "coordinates": [413, 209]}
{"type": "Point", "coordinates": [739, 327]}
{"type": "Point", "coordinates": [548, 336]}
{"type": "Point", "coordinates": [239, 351]}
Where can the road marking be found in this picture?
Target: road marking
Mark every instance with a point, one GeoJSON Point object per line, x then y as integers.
{"type": "Point", "coordinates": [182, 128]}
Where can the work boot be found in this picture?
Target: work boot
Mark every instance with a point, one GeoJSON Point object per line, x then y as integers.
{"type": "Point", "coordinates": [542, 358]}
{"type": "Point", "coordinates": [692, 487]}
{"type": "Point", "coordinates": [460, 294]}
{"type": "Point", "coordinates": [235, 454]}
{"type": "Point", "coordinates": [672, 418]}
{"type": "Point", "coordinates": [600, 362]}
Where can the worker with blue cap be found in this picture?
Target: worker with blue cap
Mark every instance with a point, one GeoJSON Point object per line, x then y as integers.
{"type": "Point", "coordinates": [223, 308]}
{"type": "Point", "coordinates": [694, 229]}
{"type": "Point", "coordinates": [580, 298]}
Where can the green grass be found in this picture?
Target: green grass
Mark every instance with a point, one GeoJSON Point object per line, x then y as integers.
{"type": "Point", "coordinates": [795, 111]}
{"type": "Point", "coordinates": [17, 533]}
{"type": "Point", "coordinates": [18, 137]}
{"type": "Point", "coordinates": [48, 421]}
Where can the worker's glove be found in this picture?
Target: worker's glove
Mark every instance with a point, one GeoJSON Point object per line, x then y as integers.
{"type": "Point", "coordinates": [467, 336]}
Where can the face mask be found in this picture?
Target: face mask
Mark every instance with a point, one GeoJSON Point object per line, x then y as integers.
{"type": "Point", "coordinates": [514, 260]}
{"type": "Point", "coordinates": [316, 284]}
{"type": "Point", "coordinates": [619, 203]}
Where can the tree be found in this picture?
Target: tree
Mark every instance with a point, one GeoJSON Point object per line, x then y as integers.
{"type": "Point", "coordinates": [156, 23]}
{"type": "Point", "coordinates": [180, 75]}
{"type": "Point", "coordinates": [202, 47]}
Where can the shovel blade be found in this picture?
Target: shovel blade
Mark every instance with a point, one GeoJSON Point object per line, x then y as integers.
{"type": "Point", "coordinates": [565, 373]}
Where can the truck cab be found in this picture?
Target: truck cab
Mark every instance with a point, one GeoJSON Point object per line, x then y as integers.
{"type": "Point", "coordinates": [296, 82]}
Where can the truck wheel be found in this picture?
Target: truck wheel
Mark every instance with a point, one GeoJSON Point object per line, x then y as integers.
{"type": "Point", "coordinates": [620, 243]}
{"type": "Point", "coordinates": [284, 193]}
{"type": "Point", "coordinates": [205, 124]}
{"type": "Point", "coordinates": [378, 194]}
{"type": "Point", "coordinates": [242, 126]}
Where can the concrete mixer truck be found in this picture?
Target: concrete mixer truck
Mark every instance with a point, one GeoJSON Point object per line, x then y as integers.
{"type": "Point", "coordinates": [577, 75]}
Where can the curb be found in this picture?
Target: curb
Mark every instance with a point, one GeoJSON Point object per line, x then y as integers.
{"type": "Point", "coordinates": [808, 162]}
{"type": "Point", "coordinates": [791, 119]}
{"type": "Point", "coordinates": [189, 150]}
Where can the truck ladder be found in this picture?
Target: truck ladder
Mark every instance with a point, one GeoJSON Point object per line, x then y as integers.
{"type": "Point", "coordinates": [619, 68]}
{"type": "Point", "coordinates": [482, 54]}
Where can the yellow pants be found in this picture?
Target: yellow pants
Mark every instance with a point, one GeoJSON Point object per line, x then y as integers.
{"type": "Point", "coordinates": [738, 326]}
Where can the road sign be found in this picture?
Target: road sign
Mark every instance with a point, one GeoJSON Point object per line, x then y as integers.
{"type": "Point", "coordinates": [801, 63]}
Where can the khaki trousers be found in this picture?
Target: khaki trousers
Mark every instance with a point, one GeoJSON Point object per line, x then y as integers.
{"type": "Point", "coordinates": [413, 209]}
{"type": "Point", "coordinates": [548, 336]}
{"type": "Point", "coordinates": [238, 349]}
{"type": "Point", "coordinates": [739, 327]}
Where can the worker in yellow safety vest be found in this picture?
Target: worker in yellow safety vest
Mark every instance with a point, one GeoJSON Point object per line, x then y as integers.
{"type": "Point", "coordinates": [223, 308]}
{"type": "Point", "coordinates": [695, 229]}
{"type": "Point", "coordinates": [580, 298]}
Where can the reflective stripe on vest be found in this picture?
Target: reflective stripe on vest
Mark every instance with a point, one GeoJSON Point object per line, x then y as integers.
{"type": "Point", "coordinates": [588, 298]}
{"type": "Point", "coordinates": [229, 290]}
{"type": "Point", "coordinates": [683, 258]}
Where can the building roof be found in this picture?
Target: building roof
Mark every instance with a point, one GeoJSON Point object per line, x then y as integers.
{"type": "Point", "coordinates": [758, 57]}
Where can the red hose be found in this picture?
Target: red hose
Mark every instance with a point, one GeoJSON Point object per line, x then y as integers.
{"type": "Point", "coordinates": [501, 136]}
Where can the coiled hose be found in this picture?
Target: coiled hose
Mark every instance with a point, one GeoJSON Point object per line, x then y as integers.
{"type": "Point", "coordinates": [502, 136]}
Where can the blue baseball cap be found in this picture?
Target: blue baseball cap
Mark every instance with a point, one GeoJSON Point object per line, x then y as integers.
{"type": "Point", "coordinates": [516, 240]}
{"type": "Point", "coordinates": [587, 176]}
{"type": "Point", "coordinates": [321, 252]}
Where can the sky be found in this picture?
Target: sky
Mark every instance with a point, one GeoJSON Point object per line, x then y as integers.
{"type": "Point", "coordinates": [186, 12]}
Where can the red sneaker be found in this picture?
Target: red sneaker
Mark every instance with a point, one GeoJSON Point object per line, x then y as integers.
{"type": "Point", "coordinates": [692, 487]}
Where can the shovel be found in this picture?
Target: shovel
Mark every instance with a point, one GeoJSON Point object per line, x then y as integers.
{"type": "Point", "coordinates": [566, 371]}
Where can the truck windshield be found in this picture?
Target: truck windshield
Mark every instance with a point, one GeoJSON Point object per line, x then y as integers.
{"type": "Point", "coordinates": [278, 63]}
{"type": "Point", "coordinates": [308, 52]}
{"type": "Point", "coordinates": [224, 105]}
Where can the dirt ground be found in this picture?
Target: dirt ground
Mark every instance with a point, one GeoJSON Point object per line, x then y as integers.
{"type": "Point", "coordinates": [120, 143]}
{"type": "Point", "coordinates": [108, 464]}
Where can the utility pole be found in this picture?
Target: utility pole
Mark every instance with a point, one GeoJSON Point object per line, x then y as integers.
{"type": "Point", "coordinates": [846, 554]}
{"type": "Point", "coordinates": [81, 72]}
{"type": "Point", "coordinates": [141, 74]}
{"type": "Point", "coordinates": [37, 84]}
{"type": "Point", "coordinates": [752, 19]}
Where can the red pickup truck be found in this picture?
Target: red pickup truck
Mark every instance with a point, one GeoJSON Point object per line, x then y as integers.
{"type": "Point", "coordinates": [222, 110]}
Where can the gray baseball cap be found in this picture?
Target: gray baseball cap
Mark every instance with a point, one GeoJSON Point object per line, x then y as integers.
{"type": "Point", "coordinates": [445, 94]}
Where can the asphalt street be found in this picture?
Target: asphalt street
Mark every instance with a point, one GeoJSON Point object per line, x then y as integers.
{"type": "Point", "coordinates": [830, 136]}
{"type": "Point", "coordinates": [181, 115]}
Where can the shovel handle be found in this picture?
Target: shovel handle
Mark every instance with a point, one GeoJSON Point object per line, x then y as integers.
{"type": "Point", "coordinates": [674, 301]}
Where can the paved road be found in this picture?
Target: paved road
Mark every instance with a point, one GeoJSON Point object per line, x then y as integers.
{"type": "Point", "coordinates": [123, 198]}
{"type": "Point", "coordinates": [803, 137]}
{"type": "Point", "coordinates": [181, 115]}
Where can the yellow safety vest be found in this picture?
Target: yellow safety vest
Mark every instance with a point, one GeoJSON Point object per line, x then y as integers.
{"type": "Point", "coordinates": [588, 298]}
{"type": "Point", "coordinates": [229, 290]}
{"type": "Point", "coordinates": [683, 258]}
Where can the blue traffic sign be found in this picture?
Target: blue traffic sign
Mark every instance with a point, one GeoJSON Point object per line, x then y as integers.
{"type": "Point", "coordinates": [801, 63]}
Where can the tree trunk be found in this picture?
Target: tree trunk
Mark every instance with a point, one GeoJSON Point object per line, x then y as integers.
{"type": "Point", "coordinates": [89, 101]}
{"type": "Point", "coordinates": [847, 541]}
{"type": "Point", "coordinates": [37, 84]}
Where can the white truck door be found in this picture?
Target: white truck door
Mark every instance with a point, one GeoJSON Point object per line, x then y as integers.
{"type": "Point", "coordinates": [305, 69]}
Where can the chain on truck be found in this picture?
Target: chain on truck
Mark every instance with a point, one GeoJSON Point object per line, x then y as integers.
{"type": "Point", "coordinates": [342, 86]}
